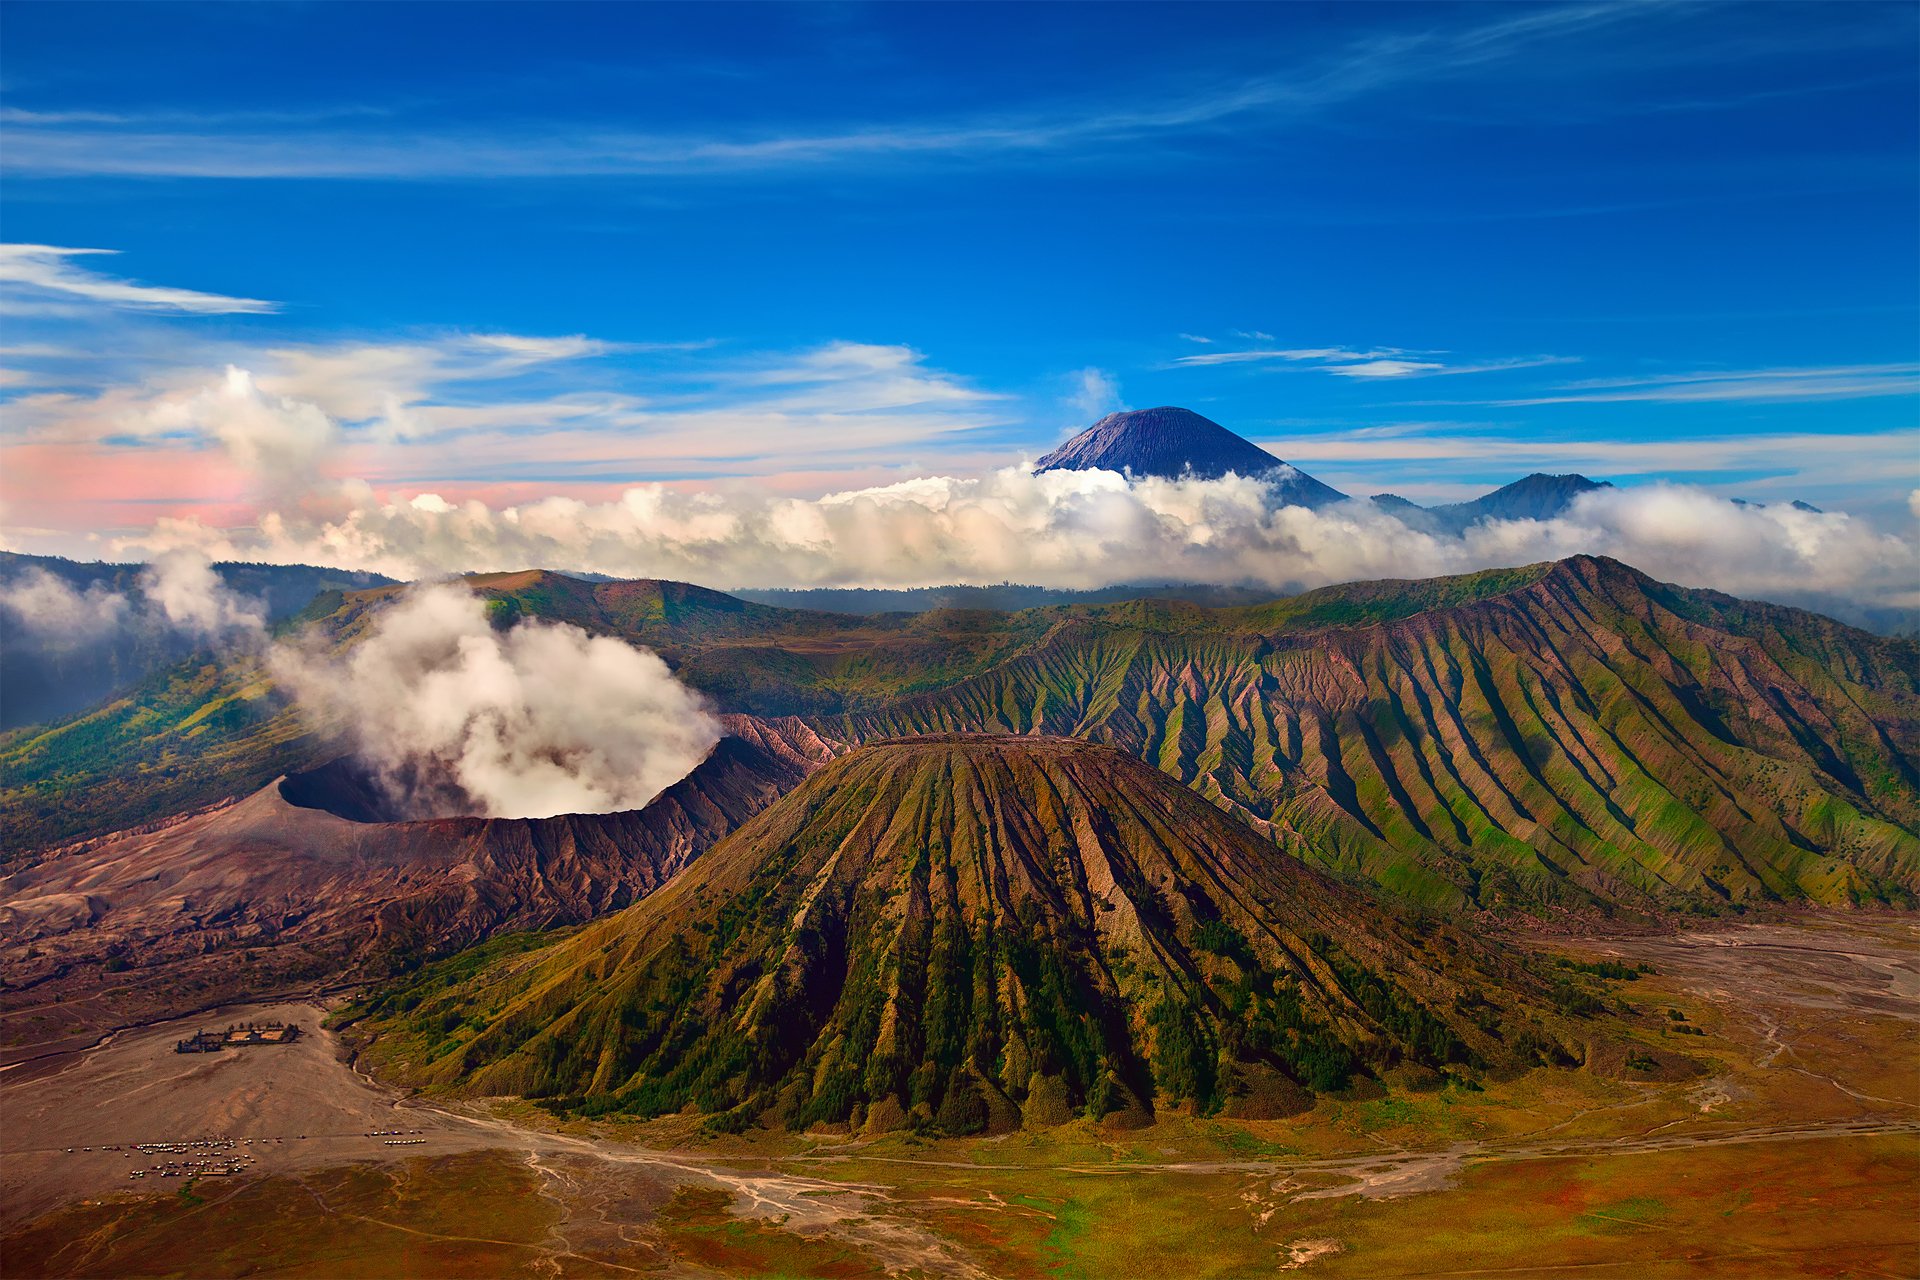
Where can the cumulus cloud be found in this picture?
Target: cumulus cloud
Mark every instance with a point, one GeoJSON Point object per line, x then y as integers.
{"type": "Point", "coordinates": [291, 421]}
{"type": "Point", "coordinates": [456, 716]}
{"type": "Point", "coordinates": [1068, 529]}
{"type": "Point", "coordinates": [274, 438]}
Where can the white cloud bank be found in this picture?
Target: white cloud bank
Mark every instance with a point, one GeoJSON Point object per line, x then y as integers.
{"type": "Point", "coordinates": [455, 716]}
{"type": "Point", "coordinates": [1063, 529]}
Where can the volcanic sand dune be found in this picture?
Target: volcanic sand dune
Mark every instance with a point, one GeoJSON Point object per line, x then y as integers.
{"type": "Point", "coordinates": [300, 1104]}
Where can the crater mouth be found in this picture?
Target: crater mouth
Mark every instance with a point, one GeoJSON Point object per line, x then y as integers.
{"type": "Point", "coordinates": [346, 788]}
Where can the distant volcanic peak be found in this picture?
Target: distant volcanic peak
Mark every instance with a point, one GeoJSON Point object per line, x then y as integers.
{"type": "Point", "coordinates": [1543, 482]}
{"type": "Point", "coordinates": [1536, 497]}
{"type": "Point", "coordinates": [1170, 442]}
{"type": "Point", "coordinates": [1167, 442]}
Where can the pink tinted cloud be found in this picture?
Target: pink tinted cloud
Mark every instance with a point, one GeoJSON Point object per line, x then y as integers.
{"type": "Point", "coordinates": [80, 485]}
{"type": "Point", "coordinates": [90, 486]}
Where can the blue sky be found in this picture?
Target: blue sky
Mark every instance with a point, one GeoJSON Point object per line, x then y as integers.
{"type": "Point", "coordinates": [505, 250]}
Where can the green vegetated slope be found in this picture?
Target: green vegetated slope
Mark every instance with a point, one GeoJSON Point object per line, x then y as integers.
{"type": "Point", "coordinates": [188, 736]}
{"type": "Point", "coordinates": [970, 933]}
{"type": "Point", "coordinates": [1559, 733]}
{"type": "Point", "coordinates": [1566, 733]}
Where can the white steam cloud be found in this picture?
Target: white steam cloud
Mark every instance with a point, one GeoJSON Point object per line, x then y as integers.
{"type": "Point", "coordinates": [184, 593]}
{"type": "Point", "coordinates": [455, 716]}
{"type": "Point", "coordinates": [1095, 395]}
{"type": "Point", "coordinates": [450, 715]}
{"type": "Point", "coordinates": [178, 593]}
{"type": "Point", "coordinates": [59, 614]}
{"type": "Point", "coordinates": [1072, 529]}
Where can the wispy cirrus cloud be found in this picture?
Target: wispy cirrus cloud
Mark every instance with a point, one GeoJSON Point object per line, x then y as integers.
{"type": "Point", "coordinates": [1832, 382]}
{"type": "Point", "coordinates": [48, 271]}
{"type": "Point", "coordinates": [1261, 355]}
{"type": "Point", "coordinates": [1405, 368]}
{"type": "Point", "coordinates": [1376, 364]}
{"type": "Point", "coordinates": [69, 142]}
{"type": "Point", "coordinates": [1472, 445]}
{"type": "Point", "coordinates": [126, 417]}
{"type": "Point", "coordinates": [386, 382]}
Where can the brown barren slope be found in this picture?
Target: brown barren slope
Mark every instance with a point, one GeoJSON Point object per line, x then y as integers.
{"type": "Point", "coordinates": [254, 896]}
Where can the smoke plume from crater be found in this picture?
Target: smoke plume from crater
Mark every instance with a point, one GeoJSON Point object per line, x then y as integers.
{"type": "Point", "coordinates": [453, 716]}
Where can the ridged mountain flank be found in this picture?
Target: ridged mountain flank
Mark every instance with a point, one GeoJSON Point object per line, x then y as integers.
{"type": "Point", "coordinates": [969, 933]}
{"type": "Point", "coordinates": [1171, 442]}
{"type": "Point", "coordinates": [1573, 733]}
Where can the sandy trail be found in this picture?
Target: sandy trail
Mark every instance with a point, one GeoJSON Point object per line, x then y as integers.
{"type": "Point", "coordinates": [72, 1121]}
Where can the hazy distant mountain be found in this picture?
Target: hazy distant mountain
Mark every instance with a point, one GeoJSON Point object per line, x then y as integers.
{"type": "Point", "coordinates": [55, 670]}
{"type": "Point", "coordinates": [1170, 442]}
{"type": "Point", "coordinates": [1796, 504]}
{"type": "Point", "coordinates": [1004, 596]}
{"type": "Point", "coordinates": [1537, 497]}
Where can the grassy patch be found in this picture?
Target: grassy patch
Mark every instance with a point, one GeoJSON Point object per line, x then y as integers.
{"type": "Point", "coordinates": [698, 1225]}
{"type": "Point", "coordinates": [461, 1216]}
